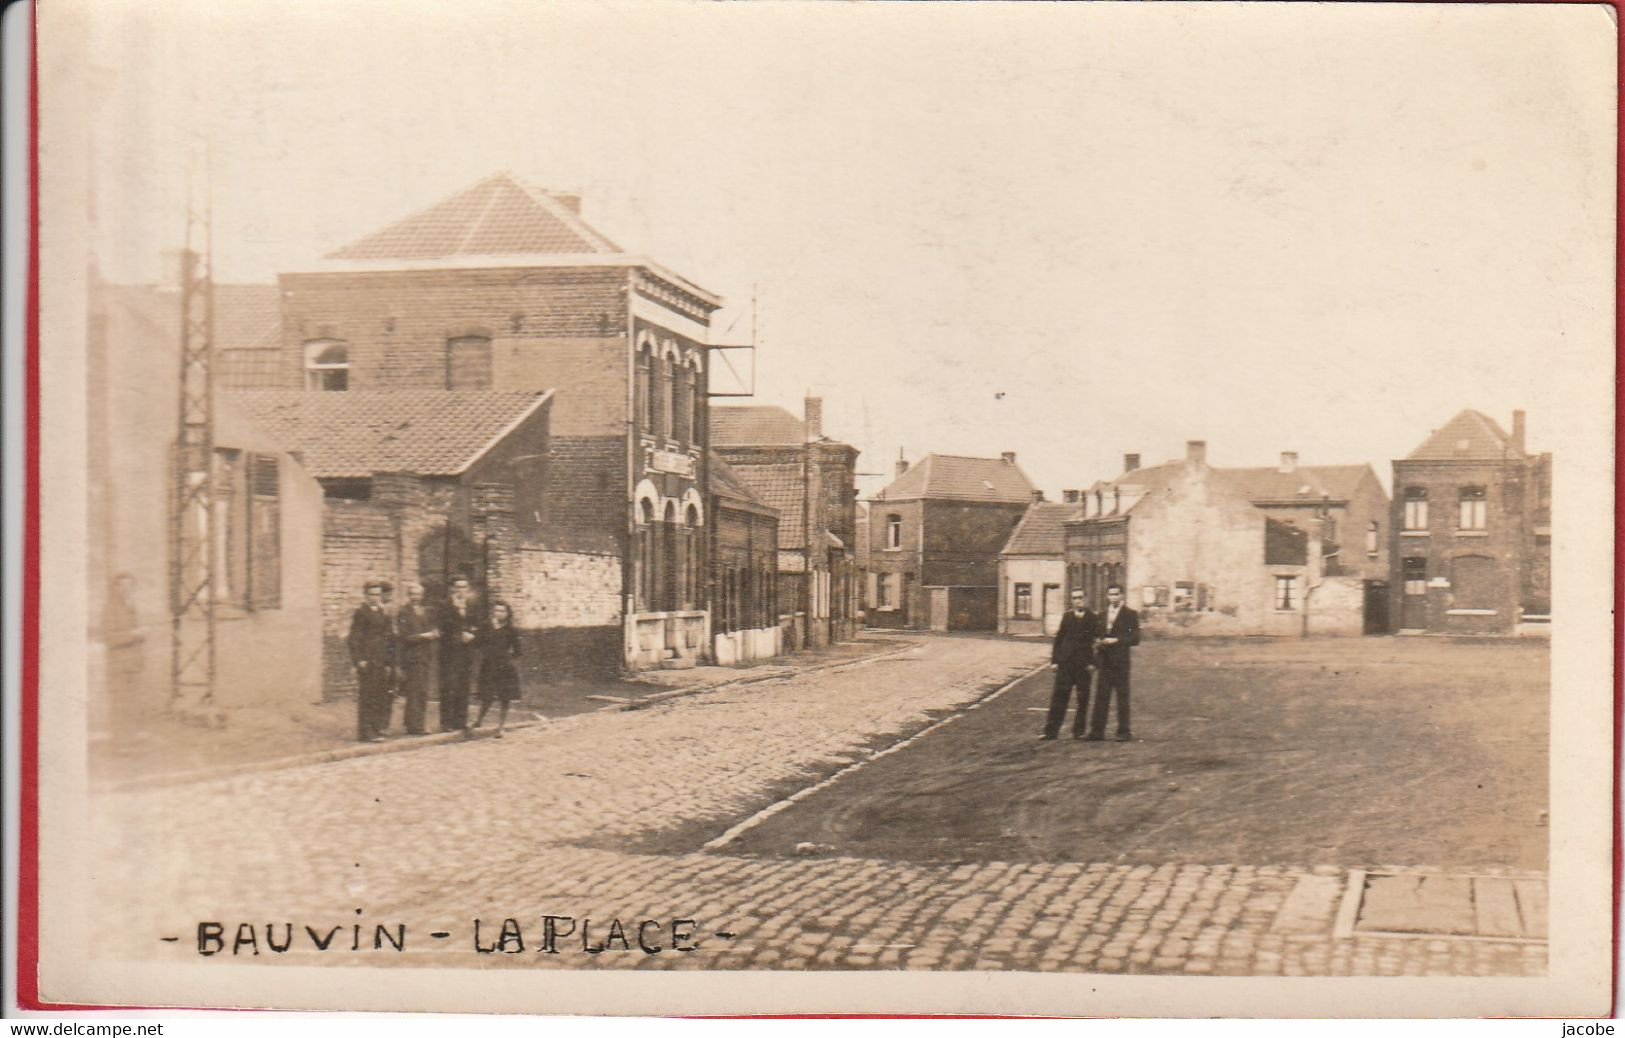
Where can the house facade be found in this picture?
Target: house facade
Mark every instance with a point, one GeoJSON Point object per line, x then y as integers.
{"type": "Point", "coordinates": [427, 485]}
{"type": "Point", "coordinates": [1032, 571]}
{"type": "Point", "coordinates": [1196, 557]}
{"type": "Point", "coordinates": [1471, 520]}
{"type": "Point", "coordinates": [745, 617]}
{"type": "Point", "coordinates": [504, 287]}
{"type": "Point", "coordinates": [265, 531]}
{"type": "Point", "coordinates": [935, 534]}
{"type": "Point", "coordinates": [810, 479]}
{"type": "Point", "coordinates": [1344, 507]}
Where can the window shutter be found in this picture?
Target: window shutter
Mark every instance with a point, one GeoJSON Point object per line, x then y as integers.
{"type": "Point", "coordinates": [265, 533]}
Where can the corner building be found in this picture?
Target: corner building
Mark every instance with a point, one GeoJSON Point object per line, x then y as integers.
{"type": "Point", "coordinates": [503, 286]}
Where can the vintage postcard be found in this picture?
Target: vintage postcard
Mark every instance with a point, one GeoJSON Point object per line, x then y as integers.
{"type": "Point", "coordinates": [1077, 509]}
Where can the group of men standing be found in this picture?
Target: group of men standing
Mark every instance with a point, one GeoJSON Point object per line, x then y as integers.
{"type": "Point", "coordinates": [1090, 644]}
{"type": "Point", "coordinates": [394, 652]}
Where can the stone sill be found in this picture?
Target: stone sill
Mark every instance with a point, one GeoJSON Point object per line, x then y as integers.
{"type": "Point", "coordinates": [1472, 533]}
{"type": "Point", "coordinates": [1413, 533]}
{"type": "Point", "coordinates": [1470, 612]}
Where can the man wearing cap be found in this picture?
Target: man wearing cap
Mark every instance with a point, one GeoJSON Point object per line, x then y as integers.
{"type": "Point", "coordinates": [372, 651]}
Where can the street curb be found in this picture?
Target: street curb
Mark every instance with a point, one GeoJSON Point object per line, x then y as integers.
{"type": "Point", "coordinates": [770, 810]}
{"type": "Point", "coordinates": [678, 693]}
{"type": "Point", "coordinates": [414, 742]}
{"type": "Point", "coordinates": [397, 745]}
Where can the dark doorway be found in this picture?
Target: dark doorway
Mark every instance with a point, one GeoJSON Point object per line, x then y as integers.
{"type": "Point", "coordinates": [1376, 607]}
{"type": "Point", "coordinates": [1414, 601]}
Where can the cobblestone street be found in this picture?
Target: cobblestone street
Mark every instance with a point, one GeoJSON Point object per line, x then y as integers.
{"type": "Point", "coordinates": [600, 820]}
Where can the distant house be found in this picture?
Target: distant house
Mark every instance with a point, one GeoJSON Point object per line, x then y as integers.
{"type": "Point", "coordinates": [935, 533]}
{"type": "Point", "coordinates": [1472, 542]}
{"type": "Point", "coordinates": [265, 531]}
{"type": "Point", "coordinates": [424, 485]}
{"type": "Point", "coordinates": [1032, 570]}
{"type": "Point", "coordinates": [1195, 556]}
{"type": "Point", "coordinates": [1344, 505]}
{"type": "Point", "coordinates": [744, 570]}
{"type": "Point", "coordinates": [810, 479]}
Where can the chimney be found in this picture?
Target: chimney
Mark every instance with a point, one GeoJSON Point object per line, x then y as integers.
{"type": "Point", "coordinates": [1071, 497]}
{"type": "Point", "coordinates": [569, 199]}
{"type": "Point", "coordinates": [1131, 462]}
{"type": "Point", "coordinates": [1517, 432]}
{"type": "Point", "coordinates": [1038, 497]}
{"type": "Point", "coordinates": [902, 462]}
{"type": "Point", "coordinates": [812, 409]}
{"type": "Point", "coordinates": [1289, 461]}
{"type": "Point", "coordinates": [1009, 457]}
{"type": "Point", "coordinates": [1196, 450]}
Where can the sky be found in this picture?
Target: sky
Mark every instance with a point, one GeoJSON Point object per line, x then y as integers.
{"type": "Point", "coordinates": [1068, 231]}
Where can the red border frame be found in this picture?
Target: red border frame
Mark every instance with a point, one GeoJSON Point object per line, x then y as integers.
{"type": "Point", "coordinates": [28, 828]}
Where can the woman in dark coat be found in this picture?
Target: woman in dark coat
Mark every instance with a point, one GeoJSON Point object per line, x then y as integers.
{"type": "Point", "coordinates": [498, 646]}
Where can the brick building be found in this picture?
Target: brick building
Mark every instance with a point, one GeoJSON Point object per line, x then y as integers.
{"type": "Point", "coordinates": [1032, 570]}
{"type": "Point", "coordinates": [935, 533]}
{"type": "Point", "coordinates": [504, 287]}
{"type": "Point", "coordinates": [423, 485]}
{"type": "Point", "coordinates": [744, 570]}
{"type": "Point", "coordinates": [811, 480]}
{"type": "Point", "coordinates": [1472, 531]}
{"type": "Point", "coordinates": [265, 529]}
{"type": "Point", "coordinates": [1196, 556]}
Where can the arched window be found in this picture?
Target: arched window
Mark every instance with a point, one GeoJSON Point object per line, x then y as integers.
{"type": "Point", "coordinates": [667, 594]}
{"type": "Point", "coordinates": [468, 362]}
{"type": "Point", "coordinates": [646, 555]}
{"type": "Point", "coordinates": [682, 408]}
{"type": "Point", "coordinates": [327, 365]}
{"type": "Point", "coordinates": [668, 390]}
{"type": "Point", "coordinates": [659, 396]}
{"type": "Point", "coordinates": [696, 405]}
{"type": "Point", "coordinates": [644, 394]}
{"type": "Point", "coordinates": [691, 563]}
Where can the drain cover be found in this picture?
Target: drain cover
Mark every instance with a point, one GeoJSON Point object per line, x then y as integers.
{"type": "Point", "coordinates": [1435, 905]}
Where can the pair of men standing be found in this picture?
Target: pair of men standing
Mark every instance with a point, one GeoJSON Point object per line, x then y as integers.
{"type": "Point", "coordinates": [1088, 641]}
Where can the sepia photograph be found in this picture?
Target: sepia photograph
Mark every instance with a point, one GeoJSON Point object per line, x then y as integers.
{"type": "Point", "coordinates": [1094, 509]}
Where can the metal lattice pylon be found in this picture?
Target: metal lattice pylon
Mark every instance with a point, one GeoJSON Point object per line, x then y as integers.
{"type": "Point", "coordinates": [192, 522]}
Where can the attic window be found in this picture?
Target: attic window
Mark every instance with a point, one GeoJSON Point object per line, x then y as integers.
{"type": "Point", "coordinates": [988, 484]}
{"type": "Point", "coordinates": [327, 365]}
{"type": "Point", "coordinates": [1463, 445]}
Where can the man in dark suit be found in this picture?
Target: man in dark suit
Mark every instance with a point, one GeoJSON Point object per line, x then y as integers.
{"type": "Point", "coordinates": [372, 651]}
{"type": "Point", "coordinates": [416, 631]}
{"type": "Point", "coordinates": [1073, 657]}
{"type": "Point", "coordinates": [1120, 632]}
{"type": "Point", "coordinates": [458, 628]}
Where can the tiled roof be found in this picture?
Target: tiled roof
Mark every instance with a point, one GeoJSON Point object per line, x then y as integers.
{"type": "Point", "coordinates": [956, 478]}
{"type": "Point", "coordinates": [781, 487]}
{"type": "Point", "coordinates": [755, 425]}
{"type": "Point", "coordinates": [430, 432]}
{"type": "Point", "coordinates": [725, 482]}
{"type": "Point", "coordinates": [1337, 482]}
{"type": "Point", "coordinates": [1040, 531]}
{"type": "Point", "coordinates": [500, 215]}
{"type": "Point", "coordinates": [1470, 436]}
